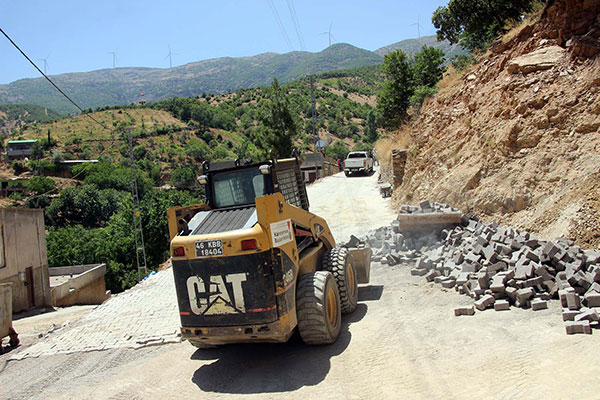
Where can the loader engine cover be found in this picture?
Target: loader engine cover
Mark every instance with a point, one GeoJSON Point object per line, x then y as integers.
{"type": "Point", "coordinates": [228, 291]}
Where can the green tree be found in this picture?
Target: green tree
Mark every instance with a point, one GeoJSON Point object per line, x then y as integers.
{"type": "Point", "coordinates": [280, 128]}
{"type": "Point", "coordinates": [114, 243]}
{"type": "Point", "coordinates": [85, 205]}
{"type": "Point", "coordinates": [475, 23]}
{"type": "Point", "coordinates": [337, 151]}
{"type": "Point", "coordinates": [428, 66]}
{"type": "Point", "coordinates": [37, 151]}
{"type": "Point", "coordinates": [40, 184]}
{"type": "Point", "coordinates": [371, 129]}
{"type": "Point", "coordinates": [395, 92]}
{"type": "Point", "coordinates": [183, 177]}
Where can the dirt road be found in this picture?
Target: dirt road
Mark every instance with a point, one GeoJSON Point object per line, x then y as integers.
{"type": "Point", "coordinates": [402, 341]}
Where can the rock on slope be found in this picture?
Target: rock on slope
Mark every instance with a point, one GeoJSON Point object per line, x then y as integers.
{"type": "Point", "coordinates": [518, 139]}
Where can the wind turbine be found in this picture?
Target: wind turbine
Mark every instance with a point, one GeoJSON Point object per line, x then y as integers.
{"type": "Point", "coordinates": [170, 57]}
{"type": "Point", "coordinates": [329, 34]}
{"type": "Point", "coordinates": [114, 54]}
{"type": "Point", "coordinates": [418, 27]}
{"type": "Point", "coordinates": [45, 60]}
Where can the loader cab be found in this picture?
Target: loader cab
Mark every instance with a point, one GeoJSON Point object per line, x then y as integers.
{"type": "Point", "coordinates": [231, 188]}
{"type": "Point", "coordinates": [234, 184]}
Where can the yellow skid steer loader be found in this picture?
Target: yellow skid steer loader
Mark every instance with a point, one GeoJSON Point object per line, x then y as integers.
{"type": "Point", "coordinates": [253, 263]}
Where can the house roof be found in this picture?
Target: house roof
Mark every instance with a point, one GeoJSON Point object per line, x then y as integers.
{"type": "Point", "coordinates": [78, 161]}
{"type": "Point", "coordinates": [22, 141]}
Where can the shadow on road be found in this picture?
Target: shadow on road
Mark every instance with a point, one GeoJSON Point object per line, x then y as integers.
{"type": "Point", "coordinates": [267, 368]}
{"type": "Point", "coordinates": [32, 313]}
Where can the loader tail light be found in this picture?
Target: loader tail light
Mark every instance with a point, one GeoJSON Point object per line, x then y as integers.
{"type": "Point", "coordinates": [179, 251]}
{"type": "Point", "coordinates": [249, 244]}
{"type": "Point", "coordinates": [365, 163]}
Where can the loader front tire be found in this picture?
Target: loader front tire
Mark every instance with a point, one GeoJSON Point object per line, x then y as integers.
{"type": "Point", "coordinates": [339, 262]}
{"type": "Point", "coordinates": [318, 308]}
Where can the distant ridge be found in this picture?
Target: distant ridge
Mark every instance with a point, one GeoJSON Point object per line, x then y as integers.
{"type": "Point", "coordinates": [122, 86]}
{"type": "Point", "coordinates": [412, 46]}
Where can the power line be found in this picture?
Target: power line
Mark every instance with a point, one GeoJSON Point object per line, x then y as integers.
{"type": "Point", "coordinates": [290, 4]}
{"type": "Point", "coordinates": [280, 23]}
{"type": "Point", "coordinates": [49, 80]}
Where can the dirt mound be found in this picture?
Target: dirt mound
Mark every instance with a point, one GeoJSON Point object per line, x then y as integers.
{"type": "Point", "coordinates": [517, 140]}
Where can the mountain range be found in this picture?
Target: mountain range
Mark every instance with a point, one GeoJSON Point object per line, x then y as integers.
{"type": "Point", "coordinates": [119, 86]}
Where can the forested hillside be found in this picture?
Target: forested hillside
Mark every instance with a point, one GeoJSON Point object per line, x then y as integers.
{"type": "Point", "coordinates": [13, 116]}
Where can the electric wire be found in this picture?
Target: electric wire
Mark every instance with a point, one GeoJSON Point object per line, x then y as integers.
{"type": "Point", "coordinates": [68, 98]}
{"type": "Point", "coordinates": [280, 23]}
{"type": "Point", "coordinates": [50, 80]}
{"type": "Point", "coordinates": [292, 9]}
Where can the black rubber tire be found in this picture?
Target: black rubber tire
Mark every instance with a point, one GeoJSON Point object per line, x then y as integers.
{"type": "Point", "coordinates": [339, 262]}
{"type": "Point", "coordinates": [312, 308]}
{"type": "Point", "coordinates": [346, 173]}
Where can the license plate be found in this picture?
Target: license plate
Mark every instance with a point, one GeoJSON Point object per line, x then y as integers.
{"type": "Point", "coordinates": [209, 248]}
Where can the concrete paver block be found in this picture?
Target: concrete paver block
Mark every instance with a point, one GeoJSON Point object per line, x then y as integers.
{"type": "Point", "coordinates": [511, 292]}
{"type": "Point", "coordinates": [524, 294]}
{"type": "Point", "coordinates": [589, 315]}
{"type": "Point", "coordinates": [573, 301]}
{"type": "Point", "coordinates": [523, 272]}
{"type": "Point", "coordinates": [562, 295]}
{"type": "Point", "coordinates": [484, 302]}
{"type": "Point", "coordinates": [592, 299]}
{"type": "Point", "coordinates": [448, 283]}
{"type": "Point", "coordinates": [466, 310]}
{"type": "Point", "coordinates": [501, 305]}
{"type": "Point", "coordinates": [574, 327]}
{"type": "Point", "coordinates": [539, 304]}
{"type": "Point", "coordinates": [418, 272]}
{"type": "Point", "coordinates": [569, 315]}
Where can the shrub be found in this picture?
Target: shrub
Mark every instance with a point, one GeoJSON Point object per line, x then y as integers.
{"type": "Point", "coordinates": [18, 167]}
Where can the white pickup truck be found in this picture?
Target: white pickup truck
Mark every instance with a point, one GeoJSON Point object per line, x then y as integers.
{"type": "Point", "coordinates": [358, 161]}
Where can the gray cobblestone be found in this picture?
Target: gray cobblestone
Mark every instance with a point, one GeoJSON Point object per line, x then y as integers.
{"type": "Point", "coordinates": [144, 315]}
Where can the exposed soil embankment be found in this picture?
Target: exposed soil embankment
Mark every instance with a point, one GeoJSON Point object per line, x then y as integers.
{"type": "Point", "coordinates": [517, 139]}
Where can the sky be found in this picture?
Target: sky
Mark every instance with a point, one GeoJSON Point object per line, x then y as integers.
{"type": "Point", "coordinates": [79, 36]}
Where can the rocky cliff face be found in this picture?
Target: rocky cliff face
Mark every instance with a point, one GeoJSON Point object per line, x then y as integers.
{"type": "Point", "coordinates": [518, 140]}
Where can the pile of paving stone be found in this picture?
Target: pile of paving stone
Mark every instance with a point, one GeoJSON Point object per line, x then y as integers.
{"type": "Point", "coordinates": [499, 267]}
{"type": "Point", "coordinates": [426, 207]}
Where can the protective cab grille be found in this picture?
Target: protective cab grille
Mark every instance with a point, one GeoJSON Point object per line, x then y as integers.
{"type": "Point", "coordinates": [292, 187]}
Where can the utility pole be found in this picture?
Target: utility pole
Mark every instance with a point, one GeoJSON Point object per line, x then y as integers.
{"type": "Point", "coordinates": [140, 249]}
{"type": "Point", "coordinates": [314, 112]}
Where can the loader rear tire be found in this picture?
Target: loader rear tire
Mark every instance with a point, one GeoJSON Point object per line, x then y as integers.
{"type": "Point", "coordinates": [339, 262]}
{"type": "Point", "coordinates": [318, 308]}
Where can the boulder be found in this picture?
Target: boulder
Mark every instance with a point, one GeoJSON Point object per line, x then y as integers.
{"type": "Point", "coordinates": [541, 59]}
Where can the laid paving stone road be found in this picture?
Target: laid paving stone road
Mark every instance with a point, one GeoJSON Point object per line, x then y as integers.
{"type": "Point", "coordinates": [144, 315]}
